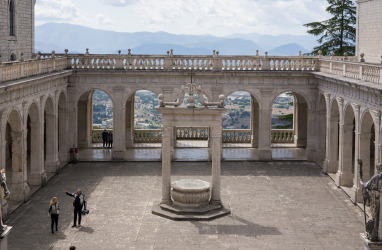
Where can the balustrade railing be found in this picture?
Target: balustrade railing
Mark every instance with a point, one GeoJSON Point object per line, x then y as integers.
{"type": "Point", "coordinates": [236, 136]}
{"type": "Point", "coordinates": [20, 69]}
{"type": "Point", "coordinates": [352, 69]}
{"type": "Point", "coordinates": [282, 136]}
{"type": "Point", "coordinates": [97, 135]}
{"type": "Point", "coordinates": [192, 133]}
{"type": "Point", "coordinates": [147, 136]}
{"type": "Point", "coordinates": [201, 133]}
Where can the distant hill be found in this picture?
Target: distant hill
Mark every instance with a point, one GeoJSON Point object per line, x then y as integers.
{"type": "Point", "coordinates": [291, 49]}
{"type": "Point", "coordinates": [270, 42]}
{"type": "Point", "coordinates": [76, 38]}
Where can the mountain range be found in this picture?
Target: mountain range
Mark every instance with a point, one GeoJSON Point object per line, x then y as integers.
{"type": "Point", "coordinates": [76, 38]}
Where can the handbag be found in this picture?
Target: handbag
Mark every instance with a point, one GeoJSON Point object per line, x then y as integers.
{"type": "Point", "coordinates": [85, 211]}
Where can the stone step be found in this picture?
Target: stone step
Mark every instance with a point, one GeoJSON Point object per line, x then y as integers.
{"type": "Point", "coordinates": [189, 210]}
{"type": "Point", "coordinates": [210, 215]}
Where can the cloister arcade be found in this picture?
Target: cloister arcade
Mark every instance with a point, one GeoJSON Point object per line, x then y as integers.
{"type": "Point", "coordinates": [54, 114]}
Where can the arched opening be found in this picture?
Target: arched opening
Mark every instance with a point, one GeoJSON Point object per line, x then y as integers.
{"type": "Point", "coordinates": [62, 130]}
{"type": "Point", "coordinates": [14, 163]}
{"type": "Point", "coordinates": [143, 122]}
{"type": "Point", "coordinates": [11, 14]}
{"type": "Point", "coordinates": [283, 119]}
{"type": "Point", "coordinates": [321, 131]}
{"type": "Point", "coordinates": [94, 114]}
{"type": "Point", "coordinates": [347, 149]}
{"type": "Point", "coordinates": [240, 124]}
{"type": "Point", "coordinates": [50, 137]}
{"type": "Point", "coordinates": [13, 57]}
{"type": "Point", "coordinates": [367, 146]}
{"type": "Point", "coordinates": [334, 120]}
{"type": "Point", "coordinates": [33, 149]}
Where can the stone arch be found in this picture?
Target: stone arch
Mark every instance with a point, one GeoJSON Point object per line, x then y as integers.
{"type": "Point", "coordinates": [14, 155]}
{"type": "Point", "coordinates": [302, 97]}
{"type": "Point", "coordinates": [333, 136]}
{"type": "Point", "coordinates": [321, 130]}
{"type": "Point", "coordinates": [85, 116]}
{"type": "Point", "coordinates": [33, 145]}
{"type": "Point", "coordinates": [130, 114]}
{"type": "Point", "coordinates": [367, 144]}
{"type": "Point", "coordinates": [255, 96]}
{"type": "Point", "coordinates": [249, 131]}
{"type": "Point", "coordinates": [300, 116]}
{"type": "Point", "coordinates": [62, 128]}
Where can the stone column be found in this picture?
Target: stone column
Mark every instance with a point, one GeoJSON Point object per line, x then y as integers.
{"type": "Point", "coordinates": [36, 163]}
{"type": "Point", "coordinates": [333, 145]}
{"type": "Point", "coordinates": [20, 189]}
{"type": "Point", "coordinates": [72, 138]}
{"type": "Point", "coordinates": [301, 128]}
{"type": "Point", "coordinates": [216, 135]}
{"type": "Point", "coordinates": [62, 136]}
{"type": "Point", "coordinates": [357, 195]}
{"type": "Point", "coordinates": [82, 124]}
{"type": "Point", "coordinates": [364, 146]}
{"type": "Point", "coordinates": [344, 176]}
{"type": "Point", "coordinates": [130, 122]}
{"type": "Point", "coordinates": [119, 143]}
{"type": "Point", "coordinates": [265, 115]}
{"type": "Point", "coordinates": [51, 160]}
{"type": "Point", "coordinates": [376, 114]}
{"type": "Point", "coordinates": [328, 115]}
{"type": "Point", "coordinates": [166, 165]}
{"type": "Point", "coordinates": [255, 122]}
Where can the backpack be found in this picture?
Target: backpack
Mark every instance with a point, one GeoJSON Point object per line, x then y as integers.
{"type": "Point", "coordinates": [54, 209]}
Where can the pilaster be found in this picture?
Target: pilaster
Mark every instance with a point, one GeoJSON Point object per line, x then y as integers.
{"type": "Point", "coordinates": [265, 114]}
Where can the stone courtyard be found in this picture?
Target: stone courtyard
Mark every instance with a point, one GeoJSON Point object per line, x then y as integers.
{"type": "Point", "coordinates": [274, 205]}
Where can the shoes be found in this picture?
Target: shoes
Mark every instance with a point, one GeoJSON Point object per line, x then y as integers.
{"type": "Point", "coordinates": [52, 232]}
{"type": "Point", "coordinates": [56, 229]}
{"type": "Point", "coordinates": [74, 226]}
{"type": "Point", "coordinates": [79, 225]}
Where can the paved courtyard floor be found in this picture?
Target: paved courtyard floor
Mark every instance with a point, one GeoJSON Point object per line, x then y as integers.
{"type": "Point", "coordinates": [274, 205]}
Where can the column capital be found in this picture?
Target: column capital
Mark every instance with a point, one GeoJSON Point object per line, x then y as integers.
{"type": "Point", "coordinates": [327, 96]}
{"type": "Point", "coordinates": [356, 107]}
{"type": "Point", "coordinates": [376, 114]}
{"type": "Point", "coordinates": [340, 100]}
{"type": "Point", "coordinates": [16, 135]}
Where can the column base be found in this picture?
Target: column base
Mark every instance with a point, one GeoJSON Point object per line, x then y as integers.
{"type": "Point", "coordinates": [370, 245]}
{"type": "Point", "coordinates": [36, 179]}
{"type": "Point", "coordinates": [356, 195]}
{"type": "Point", "coordinates": [20, 192]}
{"type": "Point", "coordinates": [344, 179]}
{"type": "Point", "coordinates": [119, 155]}
{"type": "Point", "coordinates": [4, 238]}
{"type": "Point", "coordinates": [265, 154]}
{"type": "Point", "coordinates": [52, 166]}
{"type": "Point", "coordinates": [325, 166]}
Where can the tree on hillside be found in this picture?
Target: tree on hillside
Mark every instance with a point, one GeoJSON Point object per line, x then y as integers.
{"type": "Point", "coordinates": [337, 33]}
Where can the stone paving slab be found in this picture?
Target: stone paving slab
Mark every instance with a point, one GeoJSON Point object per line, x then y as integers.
{"type": "Point", "coordinates": [274, 205]}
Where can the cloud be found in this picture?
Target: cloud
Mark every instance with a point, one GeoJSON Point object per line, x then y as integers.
{"type": "Point", "coordinates": [56, 10]}
{"type": "Point", "coordinates": [119, 3]}
{"type": "Point", "coordinates": [104, 20]}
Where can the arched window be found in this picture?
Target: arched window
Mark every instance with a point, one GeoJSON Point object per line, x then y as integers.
{"type": "Point", "coordinates": [11, 18]}
{"type": "Point", "coordinates": [13, 57]}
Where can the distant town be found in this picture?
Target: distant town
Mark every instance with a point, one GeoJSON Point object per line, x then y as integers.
{"type": "Point", "coordinates": [238, 115]}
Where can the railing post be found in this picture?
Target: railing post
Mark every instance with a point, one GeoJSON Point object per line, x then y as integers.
{"type": "Point", "coordinates": [1, 73]}
{"type": "Point", "coordinates": [343, 69]}
{"type": "Point", "coordinates": [266, 62]}
{"type": "Point", "coordinates": [168, 61]}
{"type": "Point", "coordinates": [360, 72]}
{"type": "Point", "coordinates": [54, 60]}
{"type": "Point", "coordinates": [119, 61]}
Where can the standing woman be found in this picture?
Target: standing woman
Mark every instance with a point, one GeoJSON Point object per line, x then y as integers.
{"type": "Point", "coordinates": [110, 139]}
{"type": "Point", "coordinates": [53, 211]}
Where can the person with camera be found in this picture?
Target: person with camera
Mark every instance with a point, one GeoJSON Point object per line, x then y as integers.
{"type": "Point", "coordinates": [78, 203]}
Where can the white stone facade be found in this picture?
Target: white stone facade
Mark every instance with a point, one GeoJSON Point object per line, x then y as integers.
{"type": "Point", "coordinates": [23, 39]}
{"type": "Point", "coordinates": [369, 30]}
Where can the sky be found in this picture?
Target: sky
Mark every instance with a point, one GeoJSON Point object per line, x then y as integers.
{"type": "Point", "coordinates": [197, 17]}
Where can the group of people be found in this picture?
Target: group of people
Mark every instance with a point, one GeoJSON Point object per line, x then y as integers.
{"type": "Point", "coordinates": [79, 203]}
{"type": "Point", "coordinates": [107, 139]}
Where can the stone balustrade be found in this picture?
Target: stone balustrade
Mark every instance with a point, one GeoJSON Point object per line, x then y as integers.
{"type": "Point", "coordinates": [350, 69]}
{"type": "Point", "coordinates": [47, 63]}
{"type": "Point", "coordinates": [192, 133]}
{"type": "Point", "coordinates": [236, 135]}
{"type": "Point", "coordinates": [21, 69]}
{"type": "Point", "coordinates": [282, 136]}
{"type": "Point", "coordinates": [147, 136]}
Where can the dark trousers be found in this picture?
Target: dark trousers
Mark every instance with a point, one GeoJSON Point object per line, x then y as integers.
{"type": "Point", "coordinates": [104, 144]}
{"type": "Point", "coordinates": [110, 144]}
{"type": "Point", "coordinates": [77, 211]}
{"type": "Point", "coordinates": [54, 218]}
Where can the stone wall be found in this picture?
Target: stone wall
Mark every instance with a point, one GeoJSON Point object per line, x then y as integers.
{"type": "Point", "coordinates": [369, 30]}
{"type": "Point", "coordinates": [23, 41]}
